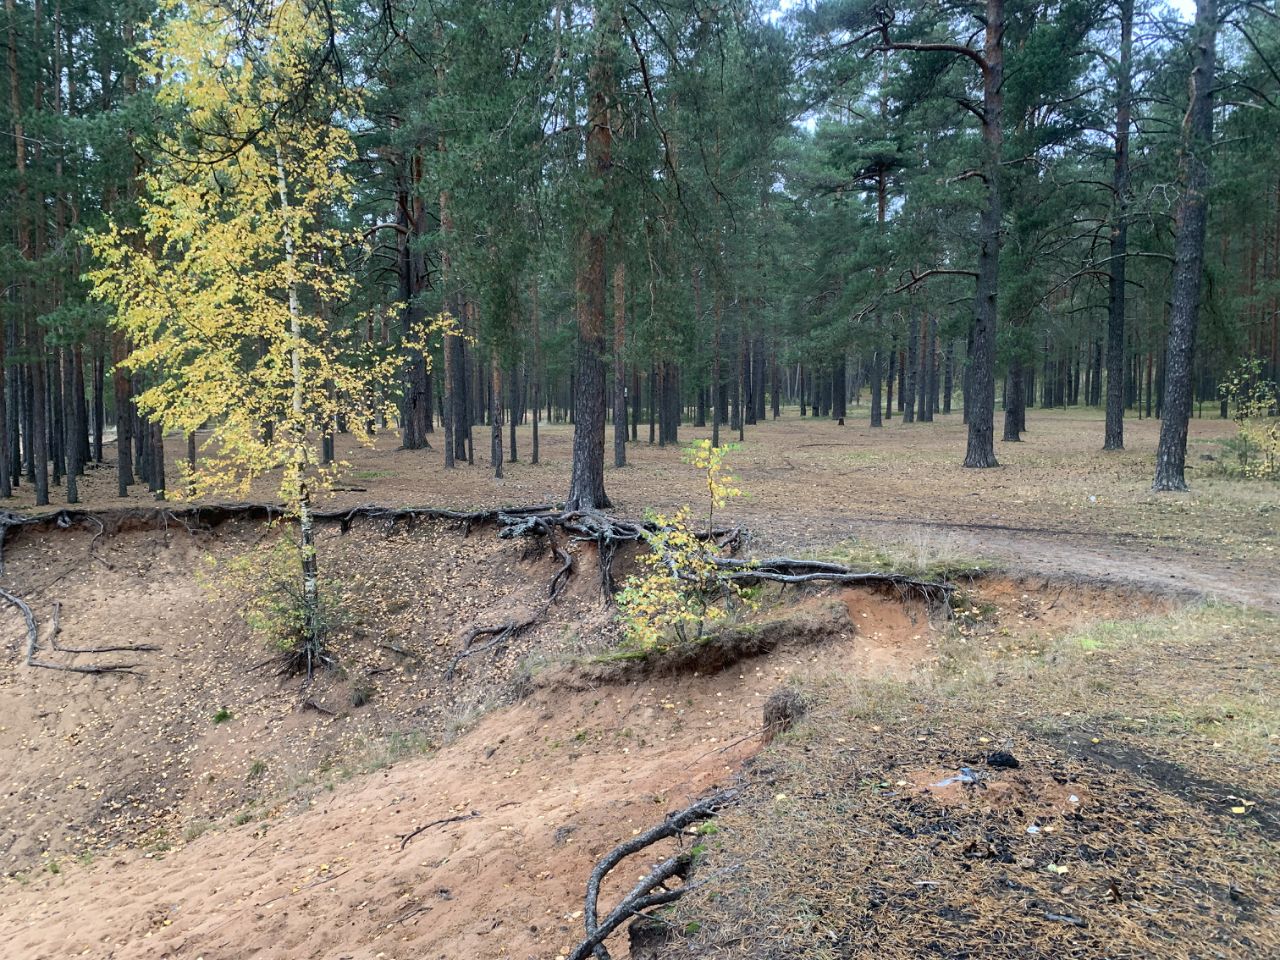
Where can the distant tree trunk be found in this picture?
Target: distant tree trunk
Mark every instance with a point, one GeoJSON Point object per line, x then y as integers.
{"type": "Point", "coordinates": [495, 415]}
{"type": "Point", "coordinates": [636, 391]}
{"type": "Point", "coordinates": [468, 394]}
{"type": "Point", "coordinates": [673, 407]}
{"type": "Point", "coordinates": [933, 368]}
{"type": "Point", "coordinates": [1188, 250]}
{"type": "Point", "coordinates": [653, 403]}
{"type": "Point", "coordinates": [156, 477]}
{"type": "Point", "coordinates": [514, 393]}
{"type": "Point", "coordinates": [1014, 400]}
{"type": "Point", "coordinates": [1116, 294]}
{"type": "Point", "coordinates": [415, 404]}
{"type": "Point", "coordinates": [775, 382]}
{"type": "Point", "coordinates": [839, 384]}
{"type": "Point", "coordinates": [910, 371]}
{"type": "Point", "coordinates": [876, 389]}
{"type": "Point", "coordinates": [980, 401]}
{"type": "Point", "coordinates": [57, 414]}
{"type": "Point", "coordinates": [72, 424]}
{"type": "Point", "coordinates": [888, 383]}
{"type": "Point", "coordinates": [1114, 432]}
{"type": "Point", "coordinates": [124, 422]}
{"type": "Point", "coordinates": [328, 453]}
{"type": "Point", "coordinates": [14, 391]}
{"type": "Point", "coordinates": [534, 452]}
{"type": "Point", "coordinates": [904, 370]}
{"type": "Point", "coordinates": [948, 383]}
{"type": "Point", "coordinates": [6, 476]}
{"type": "Point", "coordinates": [80, 408]}
{"type": "Point", "coordinates": [922, 374]}
{"type": "Point", "coordinates": [717, 409]}
{"type": "Point", "coordinates": [966, 375]}
{"type": "Point", "coordinates": [39, 428]}
{"type": "Point", "coordinates": [757, 380]}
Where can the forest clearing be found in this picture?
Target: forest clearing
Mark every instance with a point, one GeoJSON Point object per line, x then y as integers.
{"type": "Point", "coordinates": [660, 479]}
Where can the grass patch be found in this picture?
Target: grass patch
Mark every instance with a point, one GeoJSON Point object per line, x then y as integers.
{"type": "Point", "coordinates": [914, 556]}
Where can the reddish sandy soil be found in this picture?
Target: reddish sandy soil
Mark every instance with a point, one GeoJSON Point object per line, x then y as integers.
{"type": "Point", "coordinates": [109, 775]}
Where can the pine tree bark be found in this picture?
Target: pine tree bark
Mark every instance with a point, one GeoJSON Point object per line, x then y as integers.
{"type": "Point", "coordinates": [1188, 251]}
{"type": "Point", "coordinates": [495, 415]}
{"type": "Point", "coordinates": [619, 365]}
{"type": "Point", "coordinates": [717, 402]}
{"type": "Point", "coordinates": [534, 452]}
{"type": "Point", "coordinates": [586, 485]}
{"type": "Point", "coordinates": [910, 370]}
{"type": "Point", "coordinates": [981, 401]}
{"type": "Point", "coordinates": [877, 388]}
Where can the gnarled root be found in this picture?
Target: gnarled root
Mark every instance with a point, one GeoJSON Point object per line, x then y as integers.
{"type": "Point", "coordinates": [652, 890]}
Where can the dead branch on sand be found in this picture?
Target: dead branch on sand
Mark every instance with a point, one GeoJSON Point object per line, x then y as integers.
{"type": "Point", "coordinates": [404, 838]}
{"type": "Point", "coordinates": [651, 891]}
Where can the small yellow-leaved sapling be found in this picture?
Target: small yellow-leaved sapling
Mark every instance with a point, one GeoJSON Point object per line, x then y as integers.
{"type": "Point", "coordinates": [680, 590]}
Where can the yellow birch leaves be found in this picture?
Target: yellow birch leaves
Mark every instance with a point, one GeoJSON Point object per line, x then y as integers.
{"type": "Point", "coordinates": [237, 217]}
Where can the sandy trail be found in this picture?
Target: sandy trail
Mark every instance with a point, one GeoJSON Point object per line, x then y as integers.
{"type": "Point", "coordinates": [555, 782]}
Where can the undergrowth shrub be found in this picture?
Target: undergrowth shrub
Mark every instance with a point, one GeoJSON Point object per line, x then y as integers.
{"type": "Point", "coordinates": [680, 591]}
{"type": "Point", "coordinates": [265, 585]}
{"type": "Point", "coordinates": [1254, 451]}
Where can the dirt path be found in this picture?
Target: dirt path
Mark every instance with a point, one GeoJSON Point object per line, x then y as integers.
{"type": "Point", "coordinates": [1061, 554]}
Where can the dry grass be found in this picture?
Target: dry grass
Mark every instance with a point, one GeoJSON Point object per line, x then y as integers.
{"type": "Point", "coordinates": [1160, 727]}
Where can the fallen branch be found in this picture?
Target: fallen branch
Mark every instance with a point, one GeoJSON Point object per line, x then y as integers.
{"type": "Point", "coordinates": [643, 896]}
{"type": "Point", "coordinates": [405, 838]}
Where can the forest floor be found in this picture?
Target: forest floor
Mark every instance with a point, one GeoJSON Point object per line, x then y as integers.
{"type": "Point", "coordinates": [203, 808]}
{"type": "Point", "coordinates": [1057, 505]}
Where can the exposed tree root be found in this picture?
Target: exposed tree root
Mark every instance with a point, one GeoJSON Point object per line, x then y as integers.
{"type": "Point", "coordinates": [56, 628]}
{"type": "Point", "coordinates": [404, 838]}
{"type": "Point", "coordinates": [608, 534]}
{"type": "Point", "coordinates": [508, 629]}
{"type": "Point", "coordinates": [651, 891]}
{"type": "Point", "coordinates": [791, 570]}
{"type": "Point", "coordinates": [33, 643]}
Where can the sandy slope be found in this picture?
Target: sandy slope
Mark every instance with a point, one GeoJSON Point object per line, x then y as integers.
{"type": "Point", "coordinates": [555, 782]}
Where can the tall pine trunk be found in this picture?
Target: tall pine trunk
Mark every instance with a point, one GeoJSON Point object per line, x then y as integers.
{"type": "Point", "coordinates": [980, 402]}
{"type": "Point", "coordinates": [619, 365]}
{"type": "Point", "coordinates": [1188, 253]}
{"type": "Point", "coordinates": [586, 485]}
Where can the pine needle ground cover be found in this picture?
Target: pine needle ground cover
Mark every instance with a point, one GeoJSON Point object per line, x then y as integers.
{"type": "Point", "coordinates": [1138, 822]}
{"type": "Point", "coordinates": [1057, 504]}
